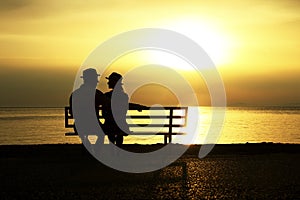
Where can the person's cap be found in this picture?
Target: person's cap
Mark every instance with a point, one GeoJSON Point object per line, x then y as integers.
{"type": "Point", "coordinates": [114, 76]}
{"type": "Point", "coordinates": [89, 73]}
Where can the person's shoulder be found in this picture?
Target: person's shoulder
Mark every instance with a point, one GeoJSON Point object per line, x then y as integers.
{"type": "Point", "coordinates": [98, 92]}
{"type": "Point", "coordinates": [75, 92]}
{"type": "Point", "coordinates": [108, 93]}
{"type": "Point", "coordinates": [124, 96]}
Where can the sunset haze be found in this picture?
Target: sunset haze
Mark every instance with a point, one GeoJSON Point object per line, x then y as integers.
{"type": "Point", "coordinates": [255, 45]}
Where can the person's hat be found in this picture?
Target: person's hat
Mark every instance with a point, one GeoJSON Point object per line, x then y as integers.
{"type": "Point", "coordinates": [114, 77]}
{"type": "Point", "coordinates": [90, 72]}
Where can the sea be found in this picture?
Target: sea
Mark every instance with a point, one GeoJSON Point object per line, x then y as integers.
{"type": "Point", "coordinates": [23, 126]}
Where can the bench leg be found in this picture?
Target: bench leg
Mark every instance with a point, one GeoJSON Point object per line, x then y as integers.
{"type": "Point", "coordinates": [165, 139]}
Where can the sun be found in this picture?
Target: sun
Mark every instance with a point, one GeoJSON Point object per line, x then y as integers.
{"type": "Point", "coordinates": [167, 59]}
{"type": "Point", "coordinates": [215, 42]}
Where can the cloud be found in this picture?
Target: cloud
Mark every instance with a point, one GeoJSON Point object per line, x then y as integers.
{"type": "Point", "coordinates": [14, 4]}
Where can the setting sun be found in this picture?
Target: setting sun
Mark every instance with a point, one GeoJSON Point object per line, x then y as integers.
{"type": "Point", "coordinates": [215, 42]}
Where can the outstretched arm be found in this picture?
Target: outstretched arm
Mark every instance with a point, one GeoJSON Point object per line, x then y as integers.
{"type": "Point", "coordinates": [134, 106]}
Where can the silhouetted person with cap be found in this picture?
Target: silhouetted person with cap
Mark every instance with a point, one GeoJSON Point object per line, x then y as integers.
{"type": "Point", "coordinates": [81, 102]}
{"type": "Point", "coordinates": [114, 113]}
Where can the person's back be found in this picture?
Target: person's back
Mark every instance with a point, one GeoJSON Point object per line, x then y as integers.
{"type": "Point", "coordinates": [84, 103]}
{"type": "Point", "coordinates": [114, 112]}
{"type": "Point", "coordinates": [84, 92]}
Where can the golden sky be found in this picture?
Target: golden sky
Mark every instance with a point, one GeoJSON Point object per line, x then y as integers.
{"type": "Point", "coordinates": [254, 44]}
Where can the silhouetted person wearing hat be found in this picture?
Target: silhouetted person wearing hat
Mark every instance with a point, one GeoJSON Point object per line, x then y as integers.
{"type": "Point", "coordinates": [82, 100]}
{"type": "Point", "coordinates": [114, 113]}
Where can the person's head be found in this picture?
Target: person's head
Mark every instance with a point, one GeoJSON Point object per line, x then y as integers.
{"type": "Point", "coordinates": [90, 77]}
{"type": "Point", "coordinates": [113, 79]}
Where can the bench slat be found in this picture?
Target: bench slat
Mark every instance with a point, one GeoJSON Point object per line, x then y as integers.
{"type": "Point", "coordinates": [142, 125]}
{"type": "Point", "coordinates": [153, 117]}
{"type": "Point", "coordinates": [69, 126]}
{"type": "Point", "coordinates": [154, 133]}
{"type": "Point", "coordinates": [136, 133]}
{"type": "Point", "coordinates": [156, 125]}
{"type": "Point", "coordinates": [71, 134]}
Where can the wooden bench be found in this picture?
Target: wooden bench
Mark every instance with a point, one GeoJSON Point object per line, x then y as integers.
{"type": "Point", "coordinates": [163, 118]}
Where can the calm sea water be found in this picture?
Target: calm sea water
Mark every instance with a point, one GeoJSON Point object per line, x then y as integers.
{"type": "Point", "coordinates": [262, 124]}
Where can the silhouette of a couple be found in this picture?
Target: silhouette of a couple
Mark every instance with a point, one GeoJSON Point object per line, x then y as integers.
{"type": "Point", "coordinates": [114, 104]}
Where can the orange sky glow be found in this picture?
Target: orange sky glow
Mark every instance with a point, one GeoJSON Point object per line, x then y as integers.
{"type": "Point", "coordinates": [254, 44]}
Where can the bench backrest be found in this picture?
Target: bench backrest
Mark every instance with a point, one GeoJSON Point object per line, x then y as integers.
{"type": "Point", "coordinates": [162, 118]}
